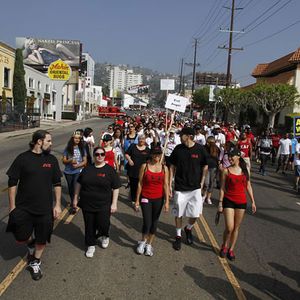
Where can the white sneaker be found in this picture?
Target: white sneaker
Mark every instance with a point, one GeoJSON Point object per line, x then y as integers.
{"type": "Point", "coordinates": [90, 251]}
{"type": "Point", "coordinates": [149, 250]}
{"type": "Point", "coordinates": [104, 241]}
{"type": "Point", "coordinates": [208, 201]}
{"type": "Point", "coordinates": [141, 247]}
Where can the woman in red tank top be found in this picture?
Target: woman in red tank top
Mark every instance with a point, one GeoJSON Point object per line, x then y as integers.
{"type": "Point", "coordinates": [233, 200]}
{"type": "Point", "coordinates": [152, 195]}
{"type": "Point", "coordinates": [110, 153]}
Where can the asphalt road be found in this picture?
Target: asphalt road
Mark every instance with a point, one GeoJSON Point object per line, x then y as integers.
{"type": "Point", "coordinates": [267, 264]}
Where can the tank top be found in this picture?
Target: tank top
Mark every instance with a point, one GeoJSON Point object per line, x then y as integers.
{"type": "Point", "coordinates": [110, 158]}
{"type": "Point", "coordinates": [235, 188]}
{"type": "Point", "coordinates": [153, 184]}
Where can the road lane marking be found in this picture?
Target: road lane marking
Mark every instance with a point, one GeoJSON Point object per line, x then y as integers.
{"type": "Point", "coordinates": [70, 217]}
{"type": "Point", "coordinates": [199, 233]}
{"type": "Point", "coordinates": [232, 279]}
{"type": "Point", "coordinates": [23, 262]}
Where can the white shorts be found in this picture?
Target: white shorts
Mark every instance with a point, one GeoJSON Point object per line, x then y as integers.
{"type": "Point", "coordinates": [188, 204]}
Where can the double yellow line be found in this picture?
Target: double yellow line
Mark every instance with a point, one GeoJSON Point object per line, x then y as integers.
{"type": "Point", "coordinates": [23, 262]}
{"type": "Point", "coordinates": [224, 263]}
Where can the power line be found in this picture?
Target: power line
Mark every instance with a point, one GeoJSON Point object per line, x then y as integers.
{"type": "Point", "coordinates": [273, 34]}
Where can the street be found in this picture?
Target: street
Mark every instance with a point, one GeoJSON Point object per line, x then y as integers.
{"type": "Point", "coordinates": [266, 267]}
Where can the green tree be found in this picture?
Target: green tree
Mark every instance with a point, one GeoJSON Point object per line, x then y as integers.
{"type": "Point", "coordinates": [272, 98]}
{"type": "Point", "coordinates": [201, 98]}
{"type": "Point", "coordinates": [3, 102]}
{"type": "Point", "coordinates": [232, 99]}
{"type": "Point", "coordinates": [19, 86]}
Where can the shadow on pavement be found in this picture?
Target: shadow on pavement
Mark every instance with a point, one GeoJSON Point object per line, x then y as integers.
{"type": "Point", "coordinates": [295, 275]}
{"type": "Point", "coordinates": [216, 287]}
{"type": "Point", "coordinates": [8, 247]}
{"type": "Point", "coordinates": [71, 233]}
{"type": "Point", "coordinates": [272, 287]}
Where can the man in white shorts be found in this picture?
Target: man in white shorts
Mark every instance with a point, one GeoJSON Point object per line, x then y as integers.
{"type": "Point", "coordinates": [189, 166]}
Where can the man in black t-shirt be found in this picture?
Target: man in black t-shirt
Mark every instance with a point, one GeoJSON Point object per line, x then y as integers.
{"type": "Point", "coordinates": [32, 176]}
{"type": "Point", "coordinates": [189, 166]}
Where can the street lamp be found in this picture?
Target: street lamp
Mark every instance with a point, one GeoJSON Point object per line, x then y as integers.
{"type": "Point", "coordinates": [215, 102]}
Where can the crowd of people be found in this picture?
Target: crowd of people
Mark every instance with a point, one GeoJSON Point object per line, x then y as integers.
{"type": "Point", "coordinates": [163, 158]}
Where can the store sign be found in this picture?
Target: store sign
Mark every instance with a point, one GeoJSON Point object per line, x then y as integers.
{"type": "Point", "coordinates": [176, 103]}
{"type": "Point", "coordinates": [59, 70]}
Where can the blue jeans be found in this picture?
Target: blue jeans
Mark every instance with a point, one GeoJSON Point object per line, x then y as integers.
{"type": "Point", "coordinates": [71, 181]}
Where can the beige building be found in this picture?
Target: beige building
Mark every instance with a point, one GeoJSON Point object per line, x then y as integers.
{"type": "Point", "coordinates": [7, 64]}
{"type": "Point", "coordinates": [283, 70]}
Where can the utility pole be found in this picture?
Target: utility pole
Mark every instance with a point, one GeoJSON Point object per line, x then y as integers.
{"type": "Point", "coordinates": [181, 76]}
{"type": "Point", "coordinates": [230, 48]}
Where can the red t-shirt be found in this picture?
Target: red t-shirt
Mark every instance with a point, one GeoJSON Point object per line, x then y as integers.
{"type": "Point", "coordinates": [229, 136]}
{"type": "Point", "coordinates": [275, 140]}
{"type": "Point", "coordinates": [235, 188]}
{"type": "Point", "coordinates": [153, 185]}
{"type": "Point", "coordinates": [250, 137]}
{"type": "Point", "coordinates": [245, 147]}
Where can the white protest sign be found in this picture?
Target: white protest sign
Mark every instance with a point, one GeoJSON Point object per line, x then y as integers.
{"type": "Point", "coordinates": [176, 103]}
{"type": "Point", "coordinates": [167, 84]}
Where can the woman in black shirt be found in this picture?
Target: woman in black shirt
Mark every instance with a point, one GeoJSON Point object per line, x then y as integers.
{"type": "Point", "coordinates": [98, 187]}
{"type": "Point", "coordinates": [137, 154]}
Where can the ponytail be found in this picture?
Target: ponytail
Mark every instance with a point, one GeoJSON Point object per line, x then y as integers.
{"type": "Point", "coordinates": [243, 166]}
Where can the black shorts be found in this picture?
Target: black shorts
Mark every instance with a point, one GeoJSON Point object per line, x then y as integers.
{"type": "Point", "coordinates": [22, 224]}
{"type": "Point", "coordinates": [230, 204]}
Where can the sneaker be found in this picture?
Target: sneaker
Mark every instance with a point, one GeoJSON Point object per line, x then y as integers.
{"type": "Point", "coordinates": [230, 255]}
{"type": "Point", "coordinates": [149, 250]}
{"type": "Point", "coordinates": [140, 249]}
{"type": "Point", "coordinates": [208, 201]}
{"type": "Point", "coordinates": [223, 251]}
{"type": "Point", "coordinates": [34, 267]}
{"type": "Point", "coordinates": [104, 241]}
{"type": "Point", "coordinates": [90, 251]}
{"type": "Point", "coordinates": [177, 243]}
{"type": "Point", "coordinates": [189, 236]}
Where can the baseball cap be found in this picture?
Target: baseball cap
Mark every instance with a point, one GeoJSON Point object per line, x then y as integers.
{"type": "Point", "coordinates": [187, 131]}
{"type": "Point", "coordinates": [107, 137]}
{"type": "Point", "coordinates": [234, 152]}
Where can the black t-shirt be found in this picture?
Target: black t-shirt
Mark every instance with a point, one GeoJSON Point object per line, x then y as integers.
{"type": "Point", "coordinates": [36, 174]}
{"type": "Point", "coordinates": [96, 187]}
{"type": "Point", "coordinates": [189, 163]}
{"type": "Point", "coordinates": [139, 157]}
{"type": "Point", "coordinates": [212, 161]}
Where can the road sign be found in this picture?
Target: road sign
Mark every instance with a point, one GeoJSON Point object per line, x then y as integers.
{"type": "Point", "coordinates": [167, 84]}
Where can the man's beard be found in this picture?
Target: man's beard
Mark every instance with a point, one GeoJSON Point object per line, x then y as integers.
{"type": "Point", "coordinates": [46, 151]}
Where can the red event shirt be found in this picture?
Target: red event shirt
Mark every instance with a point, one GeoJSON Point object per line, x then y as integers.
{"type": "Point", "coordinates": [245, 147]}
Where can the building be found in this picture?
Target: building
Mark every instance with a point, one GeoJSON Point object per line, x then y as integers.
{"type": "Point", "coordinates": [42, 91]}
{"type": "Point", "coordinates": [283, 70]}
{"type": "Point", "coordinates": [121, 78]}
{"type": "Point", "coordinates": [7, 64]}
{"type": "Point", "coordinates": [90, 67]}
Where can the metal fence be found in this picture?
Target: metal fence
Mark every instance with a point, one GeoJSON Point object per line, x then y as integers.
{"type": "Point", "coordinates": [13, 120]}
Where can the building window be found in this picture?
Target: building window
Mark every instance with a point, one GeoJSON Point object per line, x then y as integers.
{"type": "Point", "coordinates": [31, 83]}
{"type": "Point", "coordinates": [47, 88]}
{"type": "Point", "coordinates": [39, 85]}
{"type": "Point", "coordinates": [6, 77]}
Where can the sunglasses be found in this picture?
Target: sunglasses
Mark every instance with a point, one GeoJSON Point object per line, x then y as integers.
{"type": "Point", "coordinates": [131, 126]}
{"type": "Point", "coordinates": [97, 154]}
{"type": "Point", "coordinates": [110, 128]}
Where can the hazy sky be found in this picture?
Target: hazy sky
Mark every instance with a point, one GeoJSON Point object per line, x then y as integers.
{"type": "Point", "coordinates": [157, 33]}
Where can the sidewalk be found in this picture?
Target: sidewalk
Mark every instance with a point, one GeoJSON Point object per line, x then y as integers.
{"type": "Point", "coordinates": [48, 125]}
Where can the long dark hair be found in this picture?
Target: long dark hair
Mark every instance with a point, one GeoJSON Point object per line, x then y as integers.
{"type": "Point", "coordinates": [211, 147]}
{"type": "Point", "coordinates": [243, 166]}
{"type": "Point", "coordinates": [70, 146]}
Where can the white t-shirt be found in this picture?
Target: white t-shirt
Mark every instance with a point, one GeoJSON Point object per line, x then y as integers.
{"type": "Point", "coordinates": [285, 146]}
{"type": "Point", "coordinates": [200, 139]}
{"type": "Point", "coordinates": [220, 139]}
